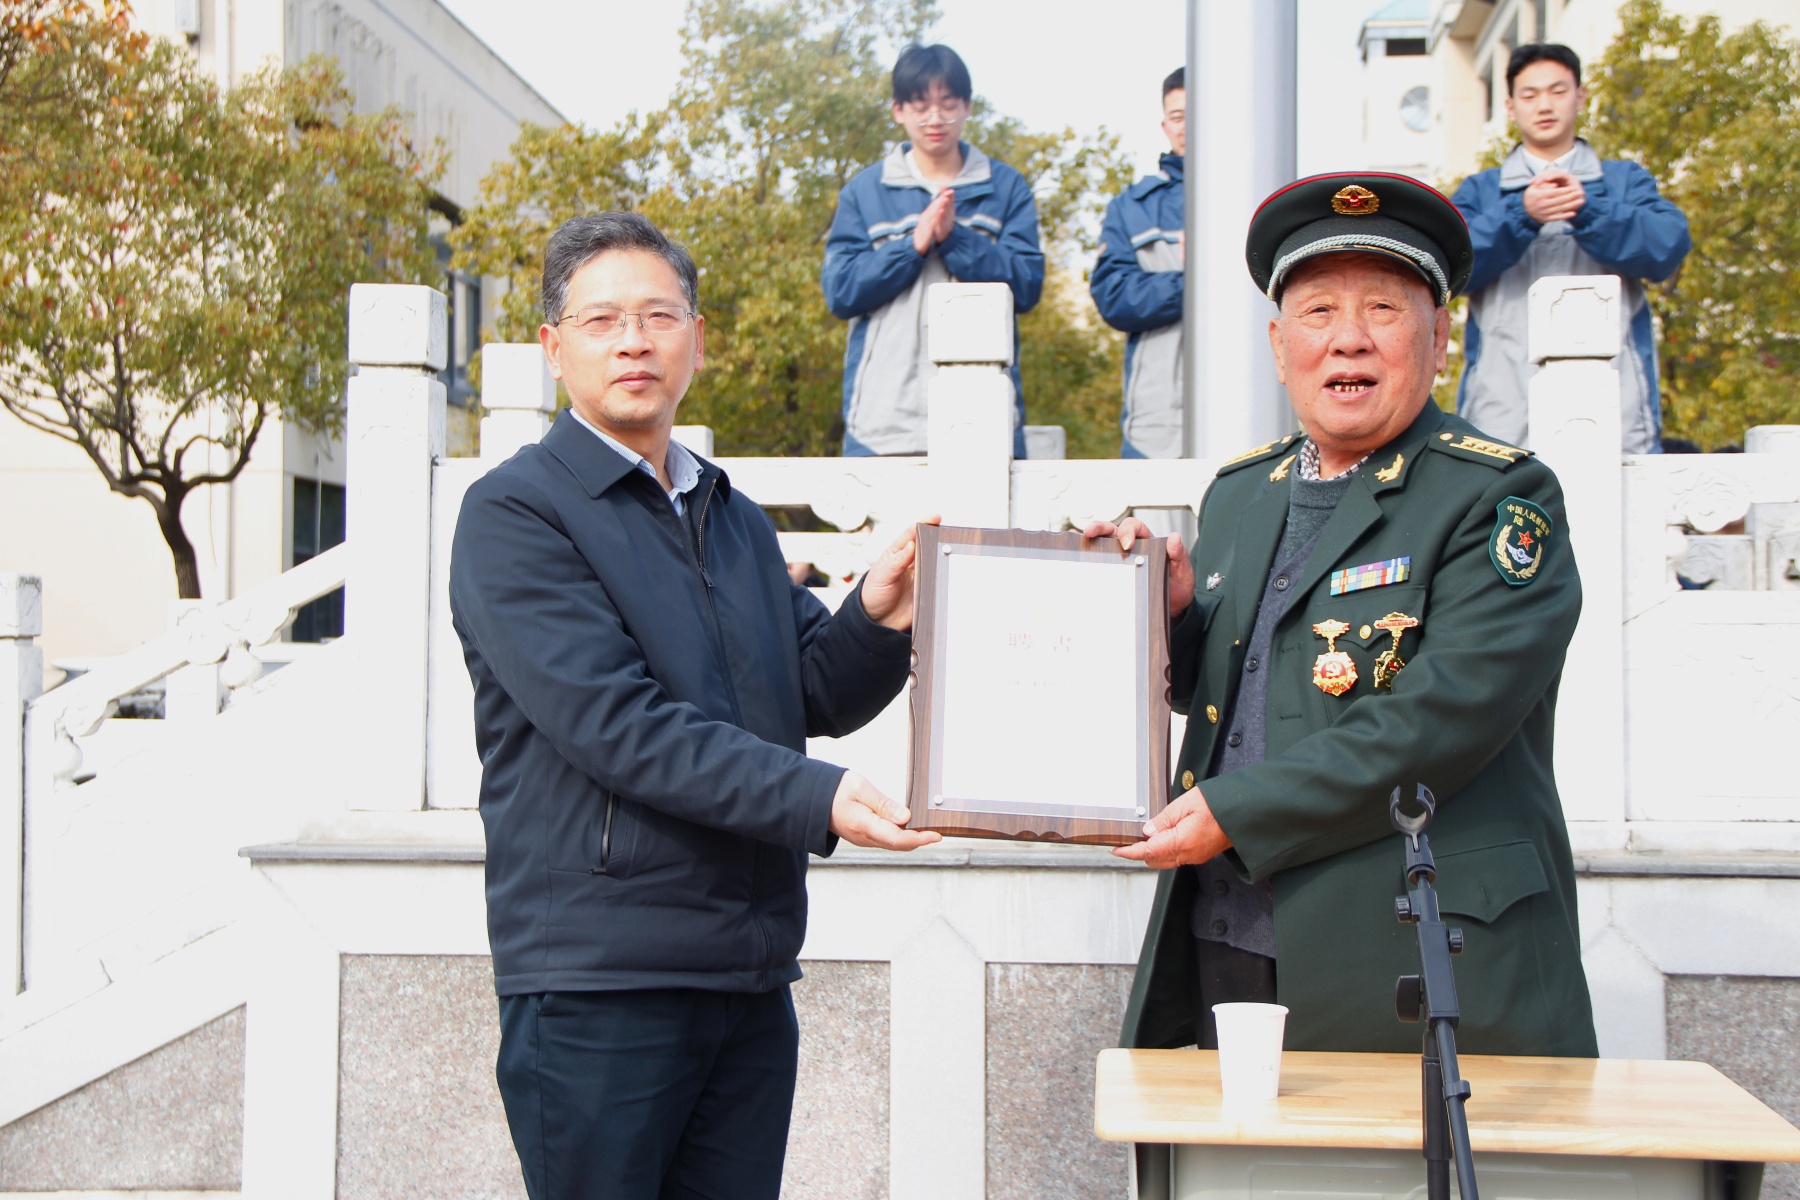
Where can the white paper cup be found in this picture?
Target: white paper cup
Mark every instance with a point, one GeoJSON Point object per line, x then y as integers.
{"type": "Point", "coordinates": [1250, 1051]}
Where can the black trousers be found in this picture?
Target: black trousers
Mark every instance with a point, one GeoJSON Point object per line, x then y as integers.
{"type": "Point", "coordinates": [1228, 976]}
{"type": "Point", "coordinates": [670, 1094]}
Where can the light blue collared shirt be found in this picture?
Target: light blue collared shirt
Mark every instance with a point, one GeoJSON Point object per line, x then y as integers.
{"type": "Point", "coordinates": [683, 467]}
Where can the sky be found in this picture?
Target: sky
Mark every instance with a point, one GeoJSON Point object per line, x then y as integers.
{"type": "Point", "coordinates": [596, 62]}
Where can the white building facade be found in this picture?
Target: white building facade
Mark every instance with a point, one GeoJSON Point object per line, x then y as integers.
{"type": "Point", "coordinates": [1397, 75]}
{"type": "Point", "coordinates": [1460, 75]}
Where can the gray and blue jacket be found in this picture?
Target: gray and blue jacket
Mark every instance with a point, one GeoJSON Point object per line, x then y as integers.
{"type": "Point", "coordinates": [875, 279]}
{"type": "Point", "coordinates": [1137, 287]}
{"type": "Point", "coordinates": [1626, 228]}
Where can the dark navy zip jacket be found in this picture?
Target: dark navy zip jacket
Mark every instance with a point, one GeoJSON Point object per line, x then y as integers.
{"type": "Point", "coordinates": [644, 688]}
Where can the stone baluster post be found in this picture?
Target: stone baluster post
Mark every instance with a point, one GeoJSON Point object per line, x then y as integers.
{"type": "Point", "coordinates": [1774, 527]}
{"type": "Point", "coordinates": [21, 679]}
{"type": "Point", "coordinates": [969, 430]}
{"type": "Point", "coordinates": [193, 693]}
{"type": "Point", "coordinates": [519, 396]}
{"type": "Point", "coordinates": [936, 1147]}
{"type": "Point", "coordinates": [1574, 330]}
{"type": "Point", "coordinates": [394, 434]}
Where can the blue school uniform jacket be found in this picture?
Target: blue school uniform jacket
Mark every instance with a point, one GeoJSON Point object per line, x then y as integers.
{"type": "Point", "coordinates": [1137, 286]}
{"type": "Point", "coordinates": [1625, 228]}
{"type": "Point", "coordinates": [874, 279]}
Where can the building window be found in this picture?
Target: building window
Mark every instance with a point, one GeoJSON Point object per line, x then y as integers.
{"type": "Point", "coordinates": [1405, 47]}
{"type": "Point", "coordinates": [1415, 109]}
{"type": "Point", "coordinates": [463, 290]}
{"type": "Point", "coordinates": [318, 526]}
{"type": "Point", "coordinates": [465, 337]}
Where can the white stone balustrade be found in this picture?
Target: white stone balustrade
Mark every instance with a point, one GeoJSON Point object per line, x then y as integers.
{"type": "Point", "coordinates": [1677, 711]}
{"type": "Point", "coordinates": [520, 398]}
{"type": "Point", "coordinates": [394, 437]}
{"type": "Point", "coordinates": [21, 679]}
{"type": "Point", "coordinates": [1574, 330]}
{"type": "Point", "coordinates": [970, 413]}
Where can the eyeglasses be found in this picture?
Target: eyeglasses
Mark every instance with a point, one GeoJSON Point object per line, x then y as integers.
{"type": "Point", "coordinates": [607, 322]}
{"type": "Point", "coordinates": [947, 113]}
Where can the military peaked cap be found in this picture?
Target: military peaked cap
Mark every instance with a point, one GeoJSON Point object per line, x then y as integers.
{"type": "Point", "coordinates": [1364, 212]}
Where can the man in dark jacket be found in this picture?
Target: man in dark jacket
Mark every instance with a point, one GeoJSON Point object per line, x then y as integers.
{"type": "Point", "coordinates": [1381, 600]}
{"type": "Point", "coordinates": [645, 679]}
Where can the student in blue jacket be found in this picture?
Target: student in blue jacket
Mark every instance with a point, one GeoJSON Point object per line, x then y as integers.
{"type": "Point", "coordinates": [1137, 286]}
{"type": "Point", "coordinates": [936, 209]}
{"type": "Point", "coordinates": [1554, 208]}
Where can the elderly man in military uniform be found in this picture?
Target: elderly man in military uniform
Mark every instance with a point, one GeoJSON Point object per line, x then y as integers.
{"type": "Point", "coordinates": [1382, 599]}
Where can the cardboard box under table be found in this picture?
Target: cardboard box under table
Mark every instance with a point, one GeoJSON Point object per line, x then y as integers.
{"type": "Point", "coordinates": [1346, 1127]}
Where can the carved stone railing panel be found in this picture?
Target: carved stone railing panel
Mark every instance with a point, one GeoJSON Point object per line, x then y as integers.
{"type": "Point", "coordinates": [202, 636]}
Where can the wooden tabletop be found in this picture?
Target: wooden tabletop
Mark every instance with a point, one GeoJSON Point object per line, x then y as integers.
{"type": "Point", "coordinates": [1607, 1106]}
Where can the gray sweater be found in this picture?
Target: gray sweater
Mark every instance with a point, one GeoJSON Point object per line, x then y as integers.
{"type": "Point", "coordinates": [1226, 909]}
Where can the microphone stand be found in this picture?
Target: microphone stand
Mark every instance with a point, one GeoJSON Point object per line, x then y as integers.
{"type": "Point", "coordinates": [1432, 993]}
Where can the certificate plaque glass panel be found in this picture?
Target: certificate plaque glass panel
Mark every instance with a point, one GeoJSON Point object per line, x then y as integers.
{"type": "Point", "coordinates": [1040, 696]}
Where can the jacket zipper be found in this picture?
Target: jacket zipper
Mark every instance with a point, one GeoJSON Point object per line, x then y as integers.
{"type": "Point", "coordinates": [737, 711]}
{"type": "Point", "coordinates": [712, 604]}
{"type": "Point", "coordinates": [612, 803]}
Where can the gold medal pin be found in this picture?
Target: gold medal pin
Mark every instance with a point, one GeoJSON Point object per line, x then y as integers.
{"type": "Point", "coordinates": [1333, 671]}
{"type": "Point", "coordinates": [1388, 663]}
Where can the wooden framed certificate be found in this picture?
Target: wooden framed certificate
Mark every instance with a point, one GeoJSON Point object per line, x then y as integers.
{"type": "Point", "coordinates": [1040, 686]}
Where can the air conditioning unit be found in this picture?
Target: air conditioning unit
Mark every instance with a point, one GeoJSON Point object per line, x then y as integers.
{"type": "Point", "coordinates": [187, 17]}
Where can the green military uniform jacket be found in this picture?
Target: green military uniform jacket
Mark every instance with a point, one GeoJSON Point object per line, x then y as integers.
{"type": "Point", "coordinates": [1471, 715]}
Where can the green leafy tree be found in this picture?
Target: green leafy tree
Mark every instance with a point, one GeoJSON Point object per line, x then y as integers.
{"type": "Point", "coordinates": [779, 105]}
{"type": "Point", "coordinates": [31, 29]}
{"type": "Point", "coordinates": [1715, 118]}
{"type": "Point", "coordinates": [175, 259]}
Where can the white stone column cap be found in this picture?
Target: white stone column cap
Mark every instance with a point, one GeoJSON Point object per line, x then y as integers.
{"type": "Point", "coordinates": [970, 323]}
{"type": "Point", "coordinates": [1575, 316]}
{"type": "Point", "coordinates": [399, 325]}
{"type": "Point", "coordinates": [21, 605]}
{"type": "Point", "coordinates": [697, 438]}
{"type": "Point", "coordinates": [1772, 439]}
{"type": "Point", "coordinates": [515, 376]}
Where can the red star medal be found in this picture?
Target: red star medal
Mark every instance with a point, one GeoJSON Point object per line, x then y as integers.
{"type": "Point", "coordinates": [1334, 673]}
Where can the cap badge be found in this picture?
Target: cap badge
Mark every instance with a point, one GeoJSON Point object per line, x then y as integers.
{"type": "Point", "coordinates": [1355, 201]}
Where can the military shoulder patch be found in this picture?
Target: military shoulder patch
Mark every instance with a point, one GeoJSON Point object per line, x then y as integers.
{"type": "Point", "coordinates": [1472, 448]}
{"type": "Point", "coordinates": [1258, 454]}
{"type": "Point", "coordinates": [1521, 538]}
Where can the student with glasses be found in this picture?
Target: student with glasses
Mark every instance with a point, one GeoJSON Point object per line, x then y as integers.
{"type": "Point", "coordinates": [936, 209]}
{"type": "Point", "coordinates": [1137, 286]}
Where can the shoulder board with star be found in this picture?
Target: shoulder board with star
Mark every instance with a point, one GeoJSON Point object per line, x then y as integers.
{"type": "Point", "coordinates": [1266, 450]}
{"type": "Point", "coordinates": [1473, 448]}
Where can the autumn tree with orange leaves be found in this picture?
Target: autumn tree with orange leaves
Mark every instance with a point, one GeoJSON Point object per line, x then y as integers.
{"type": "Point", "coordinates": [176, 257]}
